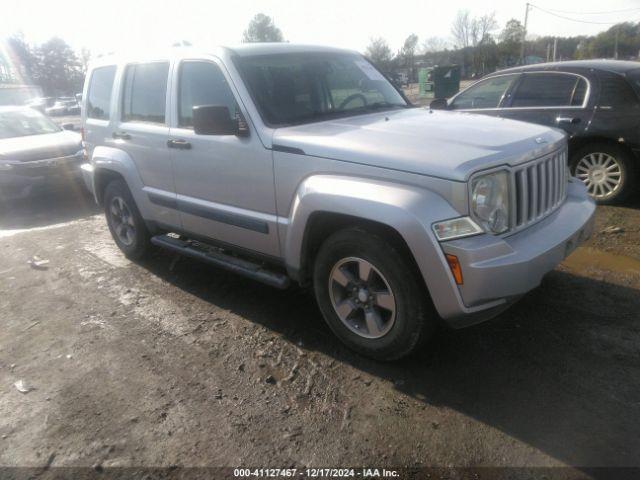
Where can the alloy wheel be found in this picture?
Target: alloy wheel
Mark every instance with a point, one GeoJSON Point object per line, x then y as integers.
{"type": "Point", "coordinates": [601, 173]}
{"type": "Point", "coordinates": [122, 221]}
{"type": "Point", "coordinates": [362, 298]}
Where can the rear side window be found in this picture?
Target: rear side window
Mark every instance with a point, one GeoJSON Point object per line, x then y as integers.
{"type": "Point", "coordinates": [616, 92]}
{"type": "Point", "coordinates": [99, 96]}
{"type": "Point", "coordinates": [550, 90]}
{"type": "Point", "coordinates": [145, 92]}
{"type": "Point", "coordinates": [202, 83]}
{"type": "Point", "coordinates": [484, 94]}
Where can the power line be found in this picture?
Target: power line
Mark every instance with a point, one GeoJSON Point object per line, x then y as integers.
{"type": "Point", "coordinates": [571, 19]}
{"type": "Point", "coordinates": [595, 13]}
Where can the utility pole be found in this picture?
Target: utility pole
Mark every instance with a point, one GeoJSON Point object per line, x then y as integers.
{"type": "Point", "coordinates": [555, 48]}
{"type": "Point", "coordinates": [524, 33]}
{"type": "Point", "coordinates": [615, 49]}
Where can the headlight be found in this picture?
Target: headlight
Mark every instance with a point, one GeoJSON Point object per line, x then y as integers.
{"type": "Point", "coordinates": [490, 201]}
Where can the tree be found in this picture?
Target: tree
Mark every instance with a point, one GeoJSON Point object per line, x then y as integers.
{"type": "Point", "coordinates": [434, 44]}
{"type": "Point", "coordinates": [21, 61]}
{"type": "Point", "coordinates": [469, 34]}
{"type": "Point", "coordinates": [262, 29]}
{"type": "Point", "coordinates": [85, 58]}
{"type": "Point", "coordinates": [408, 53]}
{"type": "Point", "coordinates": [59, 71]}
{"type": "Point", "coordinates": [481, 28]}
{"type": "Point", "coordinates": [379, 53]}
{"type": "Point", "coordinates": [511, 42]}
{"type": "Point", "coordinates": [461, 29]}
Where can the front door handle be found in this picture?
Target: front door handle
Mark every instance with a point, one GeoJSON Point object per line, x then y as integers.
{"type": "Point", "coordinates": [569, 120]}
{"type": "Point", "coordinates": [179, 144]}
{"type": "Point", "coordinates": [121, 135]}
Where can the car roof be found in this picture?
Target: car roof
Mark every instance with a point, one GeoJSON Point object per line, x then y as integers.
{"type": "Point", "coordinates": [250, 49]}
{"type": "Point", "coordinates": [243, 50]}
{"type": "Point", "coordinates": [615, 66]}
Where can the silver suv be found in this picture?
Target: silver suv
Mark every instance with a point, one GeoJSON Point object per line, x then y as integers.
{"type": "Point", "coordinates": [290, 163]}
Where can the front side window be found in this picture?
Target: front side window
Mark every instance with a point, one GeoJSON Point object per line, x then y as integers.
{"type": "Point", "coordinates": [298, 88]}
{"type": "Point", "coordinates": [99, 96]}
{"type": "Point", "coordinates": [484, 94]}
{"type": "Point", "coordinates": [25, 122]}
{"type": "Point", "coordinates": [202, 83]}
{"type": "Point", "coordinates": [549, 90]}
{"type": "Point", "coordinates": [145, 91]}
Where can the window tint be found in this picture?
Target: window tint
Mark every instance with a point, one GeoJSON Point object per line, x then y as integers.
{"type": "Point", "coordinates": [484, 94]}
{"type": "Point", "coordinates": [546, 90]}
{"type": "Point", "coordinates": [202, 83]}
{"type": "Point", "coordinates": [579, 93]}
{"type": "Point", "coordinates": [99, 96]}
{"type": "Point", "coordinates": [616, 92]}
{"type": "Point", "coordinates": [145, 90]}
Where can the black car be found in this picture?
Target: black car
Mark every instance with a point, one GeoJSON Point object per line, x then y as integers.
{"type": "Point", "coordinates": [597, 102]}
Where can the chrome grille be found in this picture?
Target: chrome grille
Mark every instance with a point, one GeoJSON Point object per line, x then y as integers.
{"type": "Point", "coordinates": [540, 187]}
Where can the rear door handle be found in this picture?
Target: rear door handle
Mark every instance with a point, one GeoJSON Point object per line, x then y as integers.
{"type": "Point", "coordinates": [121, 135]}
{"type": "Point", "coordinates": [570, 120]}
{"type": "Point", "coordinates": [179, 144]}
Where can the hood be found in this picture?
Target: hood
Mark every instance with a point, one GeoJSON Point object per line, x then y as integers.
{"type": "Point", "coordinates": [443, 144]}
{"type": "Point", "coordinates": [40, 147]}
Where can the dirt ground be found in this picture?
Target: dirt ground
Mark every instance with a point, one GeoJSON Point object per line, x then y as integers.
{"type": "Point", "coordinates": [170, 362]}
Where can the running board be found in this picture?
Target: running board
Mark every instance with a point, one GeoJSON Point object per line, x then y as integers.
{"type": "Point", "coordinates": [217, 258]}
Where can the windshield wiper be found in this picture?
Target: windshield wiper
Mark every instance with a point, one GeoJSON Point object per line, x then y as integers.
{"type": "Point", "coordinates": [381, 105]}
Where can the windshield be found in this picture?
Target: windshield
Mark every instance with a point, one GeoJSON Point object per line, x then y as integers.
{"type": "Point", "coordinates": [22, 123]}
{"type": "Point", "coordinates": [301, 88]}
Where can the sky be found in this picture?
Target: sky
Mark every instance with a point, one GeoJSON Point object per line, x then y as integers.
{"type": "Point", "coordinates": [104, 26]}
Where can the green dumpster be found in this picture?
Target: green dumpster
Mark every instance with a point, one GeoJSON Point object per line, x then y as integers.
{"type": "Point", "coordinates": [440, 81]}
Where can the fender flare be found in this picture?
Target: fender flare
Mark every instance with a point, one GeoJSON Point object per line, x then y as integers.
{"type": "Point", "coordinates": [115, 160]}
{"type": "Point", "coordinates": [408, 210]}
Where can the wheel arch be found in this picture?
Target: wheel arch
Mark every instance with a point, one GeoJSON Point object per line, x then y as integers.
{"type": "Point", "coordinates": [322, 224]}
{"type": "Point", "coordinates": [401, 213]}
{"type": "Point", "coordinates": [578, 143]}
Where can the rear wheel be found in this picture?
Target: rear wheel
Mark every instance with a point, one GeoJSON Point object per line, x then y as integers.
{"type": "Point", "coordinates": [371, 296]}
{"type": "Point", "coordinates": [606, 170]}
{"type": "Point", "coordinates": [125, 223]}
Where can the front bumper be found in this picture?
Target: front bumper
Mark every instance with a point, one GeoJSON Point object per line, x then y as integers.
{"type": "Point", "coordinates": [498, 270]}
{"type": "Point", "coordinates": [20, 178]}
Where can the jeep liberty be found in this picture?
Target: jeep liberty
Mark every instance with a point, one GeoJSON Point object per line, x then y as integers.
{"type": "Point", "coordinates": [289, 163]}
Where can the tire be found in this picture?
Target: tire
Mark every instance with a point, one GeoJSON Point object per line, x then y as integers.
{"type": "Point", "coordinates": [407, 319]}
{"type": "Point", "coordinates": [607, 170]}
{"type": "Point", "coordinates": [127, 227]}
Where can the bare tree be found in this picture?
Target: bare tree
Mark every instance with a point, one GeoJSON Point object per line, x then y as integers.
{"type": "Point", "coordinates": [461, 29]}
{"type": "Point", "coordinates": [468, 31]}
{"type": "Point", "coordinates": [408, 52]}
{"type": "Point", "coordinates": [434, 44]}
{"type": "Point", "coordinates": [481, 28]}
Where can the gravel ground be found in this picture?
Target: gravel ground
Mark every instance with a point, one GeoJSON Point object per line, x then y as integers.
{"type": "Point", "coordinates": [170, 362]}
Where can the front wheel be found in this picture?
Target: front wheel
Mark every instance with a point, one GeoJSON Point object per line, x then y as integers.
{"type": "Point", "coordinates": [371, 295]}
{"type": "Point", "coordinates": [125, 223]}
{"type": "Point", "coordinates": [606, 170]}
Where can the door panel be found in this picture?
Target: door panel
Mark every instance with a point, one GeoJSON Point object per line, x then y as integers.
{"type": "Point", "coordinates": [555, 99]}
{"type": "Point", "coordinates": [224, 183]}
{"type": "Point", "coordinates": [143, 132]}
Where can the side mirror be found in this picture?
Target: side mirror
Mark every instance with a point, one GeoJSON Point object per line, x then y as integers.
{"type": "Point", "coordinates": [68, 126]}
{"type": "Point", "coordinates": [216, 120]}
{"type": "Point", "coordinates": [438, 104]}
